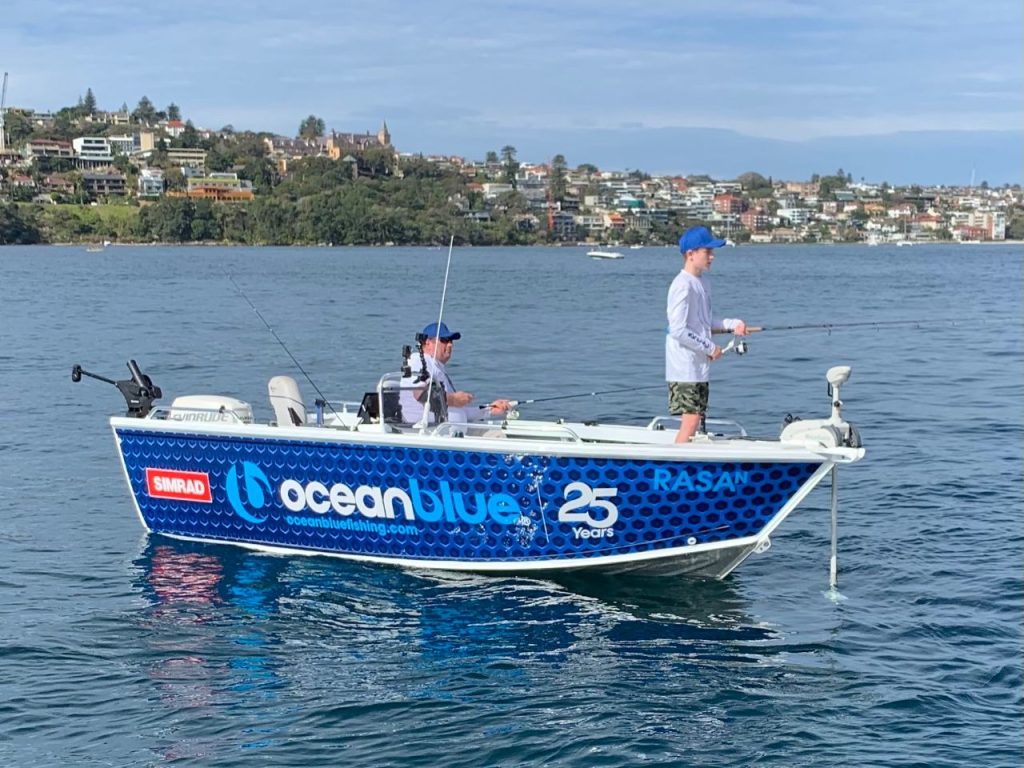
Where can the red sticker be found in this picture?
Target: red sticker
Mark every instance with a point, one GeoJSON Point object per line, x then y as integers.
{"type": "Point", "coordinates": [178, 485]}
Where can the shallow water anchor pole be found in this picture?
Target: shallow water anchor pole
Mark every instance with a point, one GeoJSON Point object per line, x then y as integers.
{"type": "Point", "coordinates": [833, 565]}
{"type": "Point", "coordinates": [832, 593]}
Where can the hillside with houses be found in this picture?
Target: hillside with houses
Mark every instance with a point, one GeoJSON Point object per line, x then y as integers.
{"type": "Point", "coordinates": [144, 175]}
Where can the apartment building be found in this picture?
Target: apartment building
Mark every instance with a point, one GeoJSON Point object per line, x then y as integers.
{"type": "Point", "coordinates": [92, 151]}
{"type": "Point", "coordinates": [109, 183]}
{"type": "Point", "coordinates": [151, 182]}
{"type": "Point", "coordinates": [187, 157]}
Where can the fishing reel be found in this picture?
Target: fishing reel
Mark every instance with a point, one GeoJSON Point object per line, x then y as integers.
{"type": "Point", "coordinates": [139, 391]}
{"type": "Point", "coordinates": [738, 346]}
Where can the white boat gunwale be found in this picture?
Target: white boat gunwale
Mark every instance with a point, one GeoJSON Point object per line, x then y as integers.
{"type": "Point", "coordinates": [725, 449]}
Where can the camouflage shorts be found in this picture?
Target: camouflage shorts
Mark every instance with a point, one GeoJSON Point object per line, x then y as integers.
{"type": "Point", "coordinates": [688, 397]}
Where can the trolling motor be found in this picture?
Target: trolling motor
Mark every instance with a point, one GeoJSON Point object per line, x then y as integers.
{"type": "Point", "coordinates": [139, 391]}
{"type": "Point", "coordinates": [833, 432]}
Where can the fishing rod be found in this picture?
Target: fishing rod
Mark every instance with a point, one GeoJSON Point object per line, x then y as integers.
{"type": "Point", "coordinates": [830, 326]}
{"type": "Point", "coordinates": [738, 347]}
{"type": "Point", "coordinates": [284, 346]}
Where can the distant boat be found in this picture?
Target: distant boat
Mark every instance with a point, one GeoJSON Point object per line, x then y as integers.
{"type": "Point", "coordinates": [635, 247]}
{"type": "Point", "coordinates": [94, 248]}
{"type": "Point", "coordinates": [598, 254]}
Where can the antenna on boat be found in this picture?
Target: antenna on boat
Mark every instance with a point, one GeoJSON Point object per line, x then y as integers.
{"type": "Point", "coordinates": [437, 336]}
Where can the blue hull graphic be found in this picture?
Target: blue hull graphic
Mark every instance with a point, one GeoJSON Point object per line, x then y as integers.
{"type": "Point", "coordinates": [433, 505]}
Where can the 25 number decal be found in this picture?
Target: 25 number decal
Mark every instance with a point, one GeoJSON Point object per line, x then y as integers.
{"type": "Point", "coordinates": [578, 510]}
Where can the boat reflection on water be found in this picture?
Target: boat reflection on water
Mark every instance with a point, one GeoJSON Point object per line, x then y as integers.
{"type": "Point", "coordinates": [190, 580]}
{"type": "Point", "coordinates": [204, 641]}
{"type": "Point", "coordinates": [233, 639]}
{"type": "Point", "coordinates": [190, 577]}
{"type": "Point", "coordinates": [262, 601]}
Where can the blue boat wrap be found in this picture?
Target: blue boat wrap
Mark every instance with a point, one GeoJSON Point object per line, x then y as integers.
{"type": "Point", "coordinates": [388, 501]}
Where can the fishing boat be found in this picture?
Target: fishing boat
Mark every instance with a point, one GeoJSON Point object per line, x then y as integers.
{"type": "Point", "coordinates": [602, 254]}
{"type": "Point", "coordinates": [354, 480]}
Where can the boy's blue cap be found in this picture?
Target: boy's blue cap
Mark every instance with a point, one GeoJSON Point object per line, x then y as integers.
{"type": "Point", "coordinates": [698, 237]}
{"type": "Point", "coordinates": [441, 332]}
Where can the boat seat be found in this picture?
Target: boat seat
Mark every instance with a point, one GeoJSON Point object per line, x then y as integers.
{"type": "Point", "coordinates": [369, 408]}
{"type": "Point", "coordinates": [286, 400]}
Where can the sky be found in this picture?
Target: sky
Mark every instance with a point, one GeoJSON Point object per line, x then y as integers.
{"type": "Point", "coordinates": [888, 90]}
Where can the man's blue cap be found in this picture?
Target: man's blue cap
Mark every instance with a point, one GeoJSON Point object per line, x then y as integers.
{"type": "Point", "coordinates": [441, 332]}
{"type": "Point", "coordinates": [698, 237]}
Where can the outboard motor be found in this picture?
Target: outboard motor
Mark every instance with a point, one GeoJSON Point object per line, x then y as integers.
{"type": "Point", "coordinates": [139, 391]}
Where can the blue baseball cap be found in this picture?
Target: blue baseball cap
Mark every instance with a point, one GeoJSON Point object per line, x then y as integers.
{"type": "Point", "coordinates": [698, 237]}
{"type": "Point", "coordinates": [441, 332]}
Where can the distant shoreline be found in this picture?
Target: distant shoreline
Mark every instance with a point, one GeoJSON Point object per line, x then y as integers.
{"type": "Point", "coordinates": [208, 244]}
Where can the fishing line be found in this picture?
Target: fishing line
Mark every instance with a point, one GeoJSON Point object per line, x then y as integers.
{"type": "Point", "coordinates": [579, 394]}
{"type": "Point", "coordinates": [283, 345]}
{"type": "Point", "coordinates": [739, 347]}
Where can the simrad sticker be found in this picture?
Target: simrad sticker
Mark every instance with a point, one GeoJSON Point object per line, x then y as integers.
{"type": "Point", "coordinates": [178, 485]}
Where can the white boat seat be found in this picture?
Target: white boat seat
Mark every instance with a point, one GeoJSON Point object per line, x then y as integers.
{"type": "Point", "coordinates": [286, 400]}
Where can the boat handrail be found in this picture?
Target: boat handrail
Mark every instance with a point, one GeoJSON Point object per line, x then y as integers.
{"type": "Point", "coordinates": [672, 422]}
{"type": "Point", "coordinates": [506, 430]}
{"type": "Point", "coordinates": [543, 431]}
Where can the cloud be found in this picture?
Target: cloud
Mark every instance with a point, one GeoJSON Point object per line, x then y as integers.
{"type": "Point", "coordinates": [785, 69]}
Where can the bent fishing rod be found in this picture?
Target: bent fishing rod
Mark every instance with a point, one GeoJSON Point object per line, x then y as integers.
{"type": "Point", "coordinates": [284, 346]}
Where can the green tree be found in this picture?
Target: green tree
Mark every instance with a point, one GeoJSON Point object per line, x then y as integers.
{"type": "Point", "coordinates": [16, 229]}
{"type": "Point", "coordinates": [752, 181]}
{"type": "Point", "coordinates": [145, 112]}
{"type": "Point", "coordinates": [312, 127]}
{"type": "Point", "coordinates": [273, 221]}
{"type": "Point", "coordinates": [89, 103]}
{"type": "Point", "coordinates": [1015, 224]}
{"type": "Point", "coordinates": [173, 111]}
{"type": "Point", "coordinates": [205, 225]}
{"type": "Point", "coordinates": [18, 126]}
{"type": "Point", "coordinates": [189, 137]}
{"type": "Point", "coordinates": [511, 165]}
{"type": "Point", "coordinates": [261, 172]}
{"type": "Point", "coordinates": [492, 158]}
{"type": "Point", "coordinates": [168, 220]}
{"type": "Point", "coordinates": [557, 181]}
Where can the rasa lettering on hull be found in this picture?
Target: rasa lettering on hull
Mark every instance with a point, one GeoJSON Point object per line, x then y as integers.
{"type": "Point", "coordinates": [703, 480]}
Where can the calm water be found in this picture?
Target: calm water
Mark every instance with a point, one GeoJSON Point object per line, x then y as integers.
{"type": "Point", "coordinates": [119, 649]}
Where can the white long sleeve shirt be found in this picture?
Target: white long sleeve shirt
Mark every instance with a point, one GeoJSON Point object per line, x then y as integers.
{"type": "Point", "coordinates": [688, 342]}
{"type": "Point", "coordinates": [412, 409]}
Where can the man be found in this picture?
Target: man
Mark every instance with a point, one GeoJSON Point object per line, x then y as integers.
{"type": "Point", "coordinates": [438, 346]}
{"type": "Point", "coordinates": [689, 348]}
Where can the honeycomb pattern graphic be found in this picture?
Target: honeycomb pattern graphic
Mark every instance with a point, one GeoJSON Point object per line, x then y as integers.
{"type": "Point", "coordinates": [659, 504]}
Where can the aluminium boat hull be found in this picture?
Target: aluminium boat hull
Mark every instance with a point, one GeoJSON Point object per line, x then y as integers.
{"type": "Point", "coordinates": [462, 503]}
